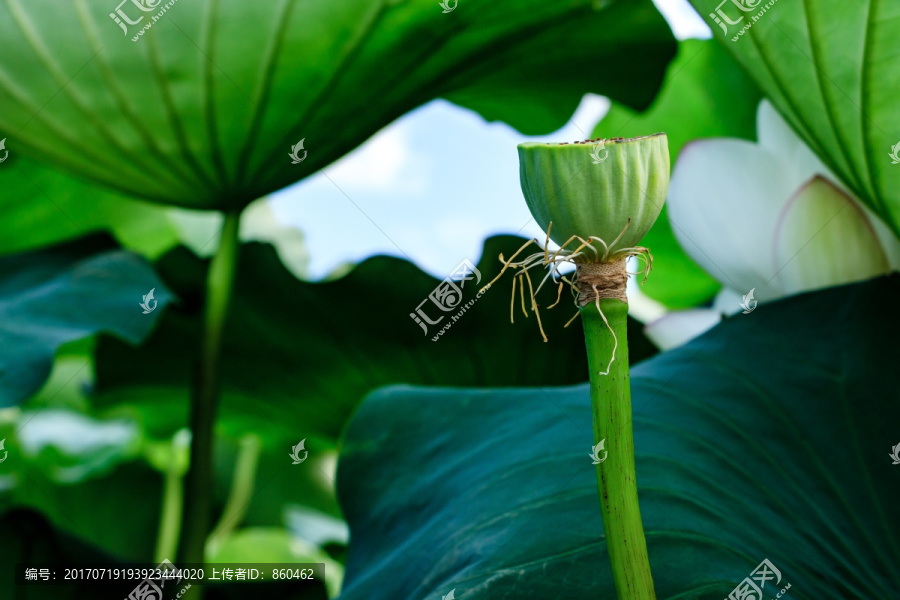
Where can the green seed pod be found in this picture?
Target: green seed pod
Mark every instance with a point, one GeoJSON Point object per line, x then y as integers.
{"type": "Point", "coordinates": [597, 188]}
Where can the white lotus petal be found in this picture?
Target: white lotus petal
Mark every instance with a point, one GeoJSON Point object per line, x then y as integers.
{"type": "Point", "coordinates": [724, 200]}
{"type": "Point", "coordinates": [823, 239]}
{"type": "Point", "coordinates": [681, 326]}
{"type": "Point", "coordinates": [889, 242]}
{"type": "Point", "coordinates": [776, 135]}
{"type": "Point", "coordinates": [797, 160]}
{"type": "Point", "coordinates": [728, 197]}
{"type": "Point", "coordinates": [728, 301]}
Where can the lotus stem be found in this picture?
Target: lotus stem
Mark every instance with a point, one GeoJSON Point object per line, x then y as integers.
{"type": "Point", "coordinates": [242, 484]}
{"type": "Point", "coordinates": [173, 498]}
{"type": "Point", "coordinates": [616, 480]}
{"type": "Point", "coordinates": [199, 481]}
{"type": "Point", "coordinates": [605, 202]}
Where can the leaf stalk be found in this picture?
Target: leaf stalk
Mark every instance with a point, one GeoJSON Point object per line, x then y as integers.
{"type": "Point", "coordinates": [616, 478]}
{"type": "Point", "coordinates": [205, 392]}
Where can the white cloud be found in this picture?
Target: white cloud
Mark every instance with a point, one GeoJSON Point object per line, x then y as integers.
{"type": "Point", "coordinates": [385, 163]}
{"type": "Point", "coordinates": [431, 187]}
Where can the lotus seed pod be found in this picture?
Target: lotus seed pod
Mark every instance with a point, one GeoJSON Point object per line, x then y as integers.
{"type": "Point", "coordinates": [593, 188]}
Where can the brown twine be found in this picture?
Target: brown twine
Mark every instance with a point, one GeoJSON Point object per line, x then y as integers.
{"type": "Point", "coordinates": [596, 281]}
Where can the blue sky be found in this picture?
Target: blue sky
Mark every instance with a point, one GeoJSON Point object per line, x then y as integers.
{"type": "Point", "coordinates": [432, 185]}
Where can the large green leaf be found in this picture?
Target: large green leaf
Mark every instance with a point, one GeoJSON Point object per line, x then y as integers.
{"type": "Point", "coordinates": [66, 293]}
{"type": "Point", "coordinates": [768, 437]}
{"type": "Point", "coordinates": [41, 206]}
{"type": "Point", "coordinates": [355, 335]}
{"type": "Point", "coordinates": [298, 356]}
{"type": "Point", "coordinates": [203, 109]}
{"type": "Point", "coordinates": [706, 94]}
{"type": "Point", "coordinates": [131, 494]}
{"type": "Point", "coordinates": [830, 68]}
{"type": "Point", "coordinates": [44, 206]}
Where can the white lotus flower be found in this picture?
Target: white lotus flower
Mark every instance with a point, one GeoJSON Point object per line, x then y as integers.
{"type": "Point", "coordinates": [767, 216]}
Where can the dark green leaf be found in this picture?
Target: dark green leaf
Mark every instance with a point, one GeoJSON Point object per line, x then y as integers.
{"type": "Point", "coordinates": [298, 357]}
{"type": "Point", "coordinates": [535, 84]}
{"type": "Point", "coordinates": [705, 94]}
{"type": "Point", "coordinates": [69, 292]}
{"type": "Point", "coordinates": [768, 437]}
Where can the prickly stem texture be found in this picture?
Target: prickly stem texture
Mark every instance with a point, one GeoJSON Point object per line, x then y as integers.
{"type": "Point", "coordinates": [616, 481]}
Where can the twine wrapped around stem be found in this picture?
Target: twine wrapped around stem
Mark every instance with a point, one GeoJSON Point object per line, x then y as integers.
{"type": "Point", "coordinates": [596, 281]}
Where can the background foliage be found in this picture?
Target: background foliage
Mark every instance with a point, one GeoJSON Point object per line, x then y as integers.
{"type": "Point", "coordinates": [763, 438]}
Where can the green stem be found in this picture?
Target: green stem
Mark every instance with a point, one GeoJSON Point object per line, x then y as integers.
{"type": "Point", "coordinates": [170, 517]}
{"type": "Point", "coordinates": [199, 481]}
{"type": "Point", "coordinates": [241, 491]}
{"type": "Point", "coordinates": [616, 481]}
{"type": "Point", "coordinates": [173, 500]}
